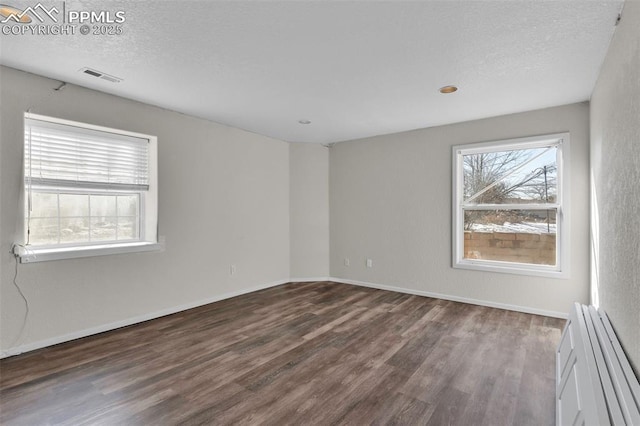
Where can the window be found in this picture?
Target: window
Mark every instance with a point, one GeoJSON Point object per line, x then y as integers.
{"type": "Point", "coordinates": [510, 205]}
{"type": "Point", "coordinates": [89, 190]}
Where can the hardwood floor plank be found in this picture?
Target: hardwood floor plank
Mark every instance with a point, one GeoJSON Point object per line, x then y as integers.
{"type": "Point", "coordinates": [363, 404]}
{"type": "Point", "coordinates": [532, 397]}
{"type": "Point", "coordinates": [449, 409]}
{"type": "Point", "coordinates": [301, 353]}
{"type": "Point", "coordinates": [399, 409]}
{"type": "Point", "coordinates": [414, 352]}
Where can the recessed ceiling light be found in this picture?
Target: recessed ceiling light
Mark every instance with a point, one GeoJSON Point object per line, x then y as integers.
{"type": "Point", "coordinates": [304, 121]}
{"type": "Point", "coordinates": [448, 89]}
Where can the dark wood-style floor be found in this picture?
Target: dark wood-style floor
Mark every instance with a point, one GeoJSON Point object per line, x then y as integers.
{"type": "Point", "coordinates": [314, 353]}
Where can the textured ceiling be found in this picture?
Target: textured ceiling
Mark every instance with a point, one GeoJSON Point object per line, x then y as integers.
{"type": "Point", "coordinates": [354, 69]}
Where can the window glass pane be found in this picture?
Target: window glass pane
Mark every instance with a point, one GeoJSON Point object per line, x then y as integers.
{"type": "Point", "coordinates": [128, 216]}
{"type": "Point", "coordinates": [128, 205]}
{"type": "Point", "coordinates": [103, 206]}
{"type": "Point", "coordinates": [44, 205]}
{"type": "Point", "coordinates": [127, 228]}
{"type": "Point", "coordinates": [74, 229]}
{"type": "Point", "coordinates": [523, 236]}
{"type": "Point", "coordinates": [84, 218]}
{"type": "Point", "coordinates": [43, 231]}
{"type": "Point", "coordinates": [74, 205]}
{"type": "Point", "coordinates": [103, 228]}
{"type": "Point", "coordinates": [517, 176]}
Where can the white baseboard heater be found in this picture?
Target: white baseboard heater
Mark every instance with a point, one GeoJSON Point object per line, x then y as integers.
{"type": "Point", "coordinates": [595, 384]}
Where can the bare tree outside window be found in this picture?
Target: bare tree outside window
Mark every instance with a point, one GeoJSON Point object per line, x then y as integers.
{"type": "Point", "coordinates": [509, 177]}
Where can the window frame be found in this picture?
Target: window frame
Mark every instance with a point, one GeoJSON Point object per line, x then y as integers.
{"type": "Point", "coordinates": [562, 204]}
{"type": "Point", "coordinates": [148, 207]}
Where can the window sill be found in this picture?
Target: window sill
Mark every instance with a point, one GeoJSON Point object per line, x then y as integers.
{"type": "Point", "coordinates": [511, 268]}
{"type": "Point", "coordinates": [32, 255]}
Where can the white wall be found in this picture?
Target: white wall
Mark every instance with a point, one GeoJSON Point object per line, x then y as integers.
{"type": "Point", "coordinates": [390, 200]}
{"type": "Point", "coordinates": [615, 168]}
{"type": "Point", "coordinates": [309, 203]}
{"type": "Point", "coordinates": [224, 199]}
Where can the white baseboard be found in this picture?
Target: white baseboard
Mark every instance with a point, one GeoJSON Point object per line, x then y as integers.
{"type": "Point", "coordinates": [133, 320]}
{"type": "Point", "coordinates": [525, 309]}
{"type": "Point", "coordinates": [309, 280]}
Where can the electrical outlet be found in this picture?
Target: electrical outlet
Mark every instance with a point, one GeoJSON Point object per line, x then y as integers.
{"type": "Point", "coordinates": [347, 262]}
{"type": "Point", "coordinates": [369, 263]}
{"type": "Point", "coordinates": [232, 270]}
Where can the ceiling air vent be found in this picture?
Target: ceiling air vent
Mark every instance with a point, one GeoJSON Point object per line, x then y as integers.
{"type": "Point", "coordinates": [100, 74]}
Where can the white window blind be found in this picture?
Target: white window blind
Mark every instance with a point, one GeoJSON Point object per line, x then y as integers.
{"type": "Point", "coordinates": [60, 155]}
